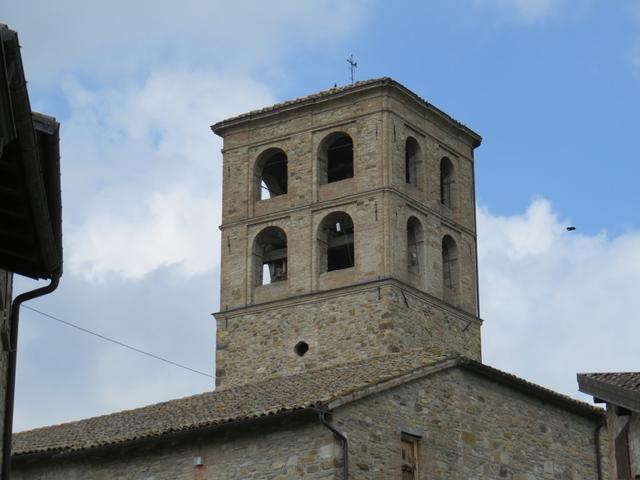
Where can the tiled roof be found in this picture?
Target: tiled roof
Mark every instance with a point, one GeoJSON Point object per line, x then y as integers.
{"type": "Point", "coordinates": [312, 388]}
{"type": "Point", "coordinates": [627, 380]}
{"type": "Point", "coordinates": [326, 387]}
{"type": "Point", "coordinates": [337, 91]}
{"type": "Point", "coordinates": [621, 388]}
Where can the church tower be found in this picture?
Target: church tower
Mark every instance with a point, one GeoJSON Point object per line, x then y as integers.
{"type": "Point", "coordinates": [348, 230]}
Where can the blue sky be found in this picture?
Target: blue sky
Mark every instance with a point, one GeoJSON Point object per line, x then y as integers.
{"type": "Point", "coordinates": [551, 85]}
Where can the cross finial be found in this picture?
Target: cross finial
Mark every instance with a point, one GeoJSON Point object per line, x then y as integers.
{"type": "Point", "coordinates": [353, 65]}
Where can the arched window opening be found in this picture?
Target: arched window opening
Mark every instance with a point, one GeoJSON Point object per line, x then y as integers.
{"type": "Point", "coordinates": [411, 161]}
{"type": "Point", "coordinates": [415, 245]}
{"type": "Point", "coordinates": [336, 158]}
{"type": "Point", "coordinates": [450, 276]}
{"type": "Point", "coordinates": [447, 182]}
{"type": "Point", "coordinates": [270, 256]}
{"type": "Point", "coordinates": [271, 173]}
{"type": "Point", "coordinates": [336, 242]}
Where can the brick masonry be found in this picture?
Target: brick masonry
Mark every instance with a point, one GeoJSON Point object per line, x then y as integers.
{"type": "Point", "coordinates": [380, 203]}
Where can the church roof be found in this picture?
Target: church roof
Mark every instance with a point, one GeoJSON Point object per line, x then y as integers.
{"type": "Point", "coordinates": [335, 93]}
{"type": "Point", "coordinates": [324, 388]}
{"type": "Point", "coordinates": [619, 388]}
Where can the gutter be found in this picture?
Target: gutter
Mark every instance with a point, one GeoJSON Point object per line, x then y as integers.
{"type": "Point", "coordinates": [11, 373]}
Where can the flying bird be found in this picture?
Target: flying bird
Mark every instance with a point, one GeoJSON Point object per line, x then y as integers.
{"type": "Point", "coordinates": [570, 229]}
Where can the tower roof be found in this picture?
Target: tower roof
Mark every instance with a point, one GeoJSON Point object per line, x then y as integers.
{"type": "Point", "coordinates": [333, 93]}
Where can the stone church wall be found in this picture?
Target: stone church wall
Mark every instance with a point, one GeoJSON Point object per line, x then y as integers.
{"type": "Point", "coordinates": [469, 428]}
{"type": "Point", "coordinates": [350, 324]}
{"type": "Point", "coordinates": [284, 451]}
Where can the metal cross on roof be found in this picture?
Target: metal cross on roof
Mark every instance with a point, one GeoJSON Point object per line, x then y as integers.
{"type": "Point", "coordinates": [353, 65]}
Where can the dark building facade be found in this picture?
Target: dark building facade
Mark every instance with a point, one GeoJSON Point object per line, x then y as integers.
{"type": "Point", "coordinates": [30, 213]}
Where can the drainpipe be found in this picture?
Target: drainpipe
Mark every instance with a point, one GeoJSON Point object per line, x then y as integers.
{"type": "Point", "coordinates": [596, 437]}
{"type": "Point", "coordinates": [11, 373]}
{"type": "Point", "coordinates": [322, 414]}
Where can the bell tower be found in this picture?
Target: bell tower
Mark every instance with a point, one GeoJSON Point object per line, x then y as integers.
{"type": "Point", "coordinates": [348, 230]}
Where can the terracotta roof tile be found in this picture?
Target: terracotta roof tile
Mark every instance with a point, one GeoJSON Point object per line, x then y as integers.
{"type": "Point", "coordinates": [626, 380]}
{"type": "Point", "coordinates": [312, 388]}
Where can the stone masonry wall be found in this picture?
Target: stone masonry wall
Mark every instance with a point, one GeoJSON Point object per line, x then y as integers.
{"type": "Point", "coordinates": [339, 326]}
{"type": "Point", "coordinates": [286, 451]}
{"type": "Point", "coordinates": [379, 201]}
{"type": "Point", "coordinates": [470, 428]}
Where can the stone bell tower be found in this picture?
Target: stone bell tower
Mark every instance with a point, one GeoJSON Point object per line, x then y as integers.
{"type": "Point", "coordinates": [348, 230]}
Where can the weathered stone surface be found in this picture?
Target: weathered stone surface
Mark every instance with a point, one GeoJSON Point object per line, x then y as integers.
{"type": "Point", "coordinates": [380, 202]}
{"type": "Point", "coordinates": [285, 450]}
{"type": "Point", "coordinates": [344, 325]}
{"type": "Point", "coordinates": [469, 428]}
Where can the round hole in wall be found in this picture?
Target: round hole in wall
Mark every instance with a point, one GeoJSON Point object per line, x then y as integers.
{"type": "Point", "coordinates": [301, 348]}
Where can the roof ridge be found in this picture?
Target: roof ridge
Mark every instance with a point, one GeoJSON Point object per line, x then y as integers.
{"type": "Point", "coordinates": [293, 101]}
{"type": "Point", "coordinates": [383, 81]}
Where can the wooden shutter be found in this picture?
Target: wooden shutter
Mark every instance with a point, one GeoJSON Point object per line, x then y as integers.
{"type": "Point", "coordinates": [409, 458]}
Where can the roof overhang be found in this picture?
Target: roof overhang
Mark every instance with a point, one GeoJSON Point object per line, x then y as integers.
{"type": "Point", "coordinates": [609, 393]}
{"type": "Point", "coordinates": [30, 199]}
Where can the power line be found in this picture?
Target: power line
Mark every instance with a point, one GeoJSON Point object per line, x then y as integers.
{"type": "Point", "coordinates": [103, 337]}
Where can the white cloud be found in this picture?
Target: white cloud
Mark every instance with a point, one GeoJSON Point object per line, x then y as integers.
{"type": "Point", "coordinates": [527, 11]}
{"type": "Point", "coordinates": [136, 87]}
{"type": "Point", "coordinates": [175, 228]}
{"type": "Point", "coordinates": [144, 172]}
{"type": "Point", "coordinates": [119, 37]}
{"type": "Point", "coordinates": [140, 165]}
{"type": "Point", "coordinates": [555, 302]}
{"type": "Point", "coordinates": [81, 375]}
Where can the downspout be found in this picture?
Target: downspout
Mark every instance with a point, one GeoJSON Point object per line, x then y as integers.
{"type": "Point", "coordinates": [596, 437]}
{"type": "Point", "coordinates": [322, 414]}
{"type": "Point", "coordinates": [11, 373]}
